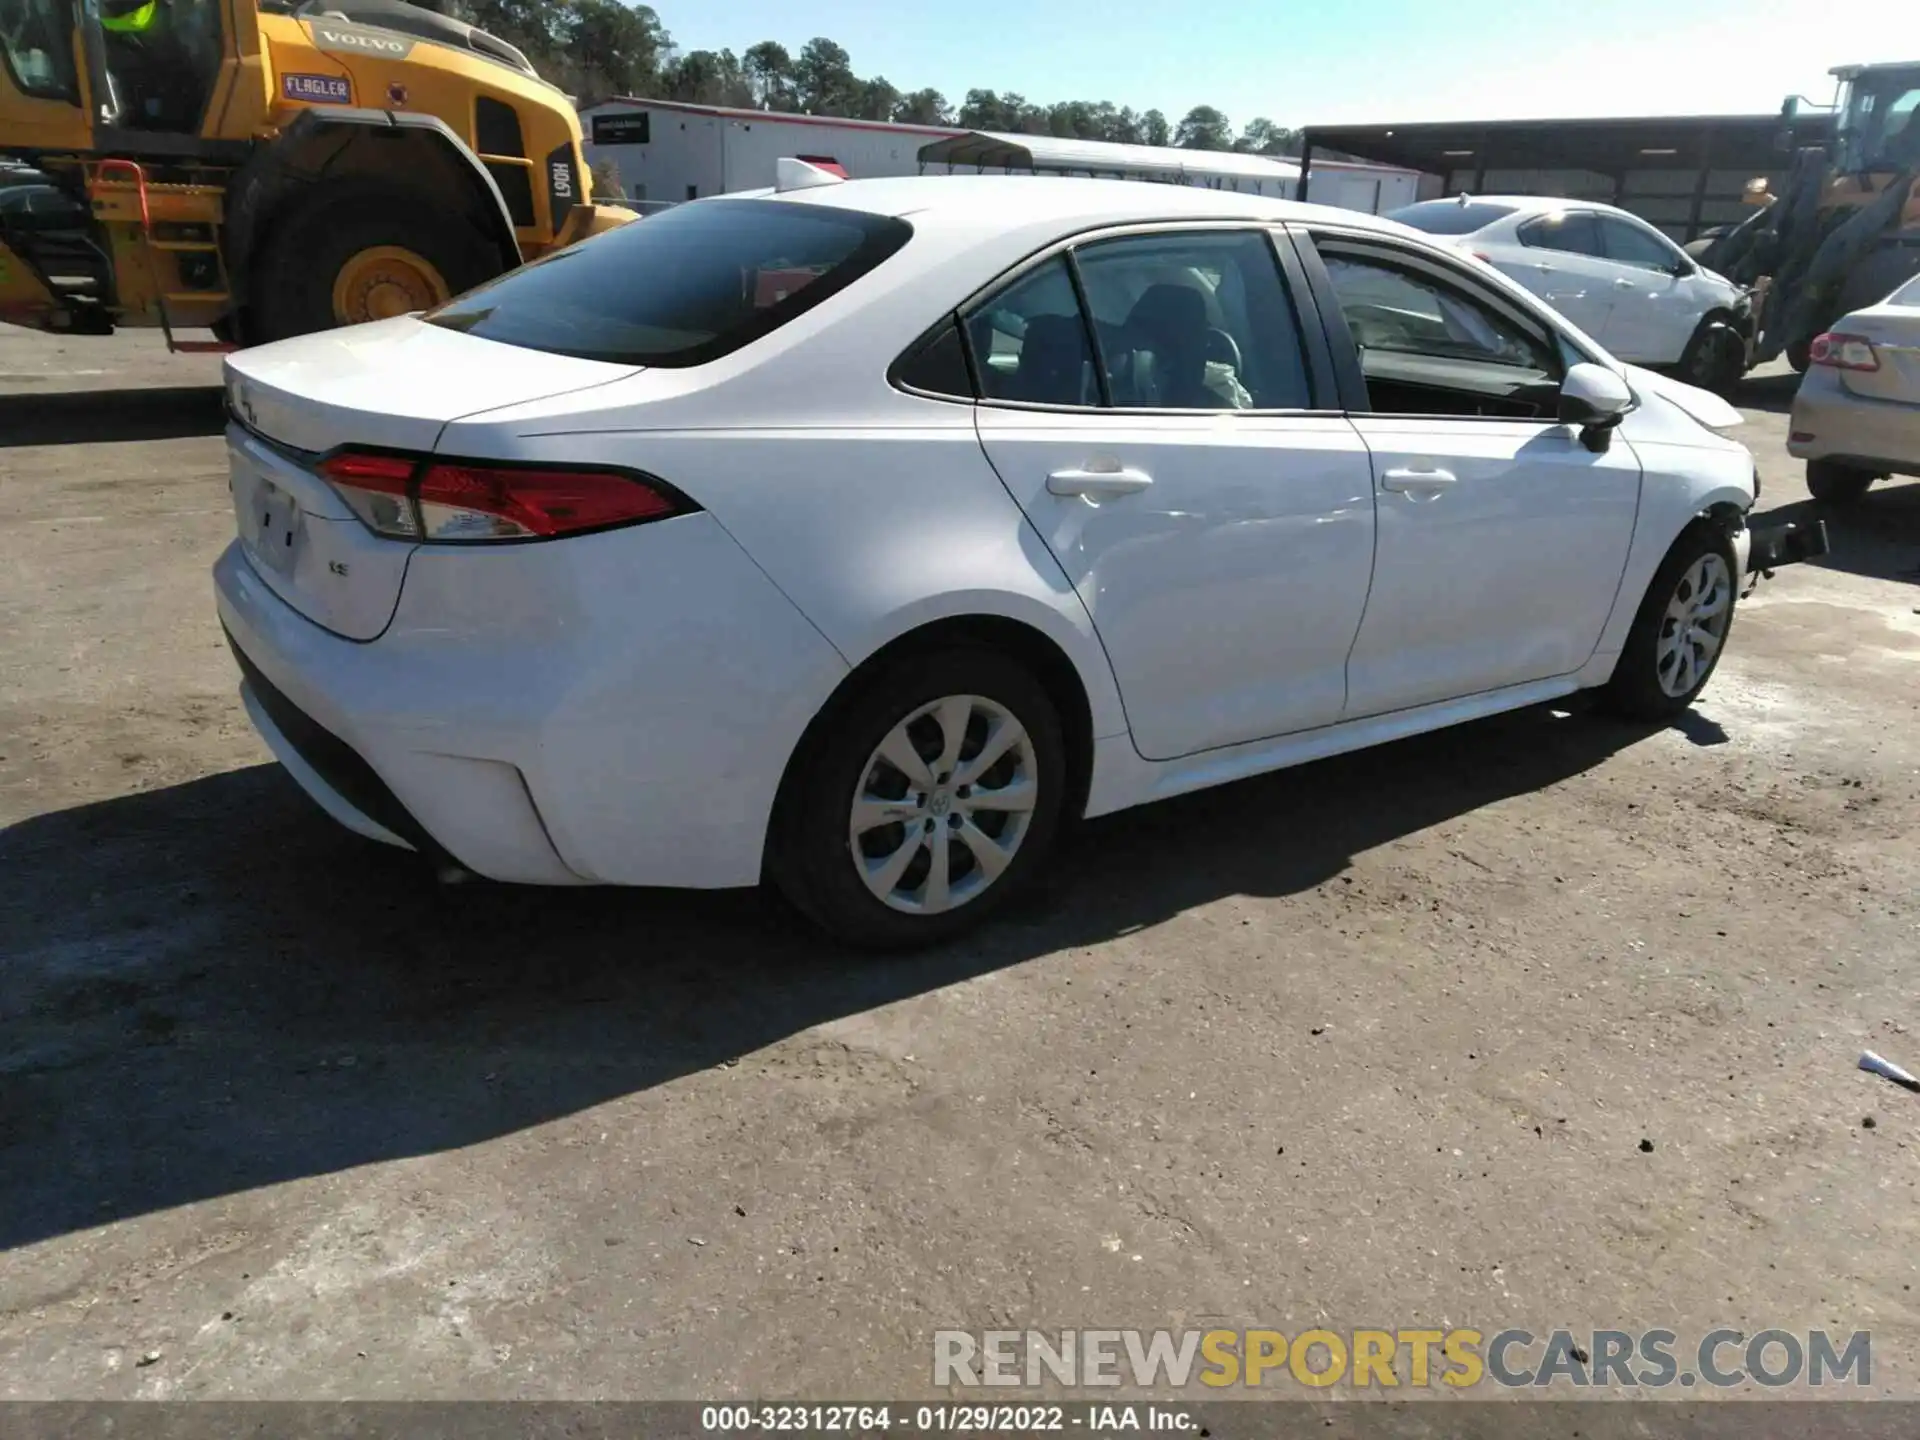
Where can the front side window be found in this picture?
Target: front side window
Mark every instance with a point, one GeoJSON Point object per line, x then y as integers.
{"type": "Point", "coordinates": [36, 38]}
{"type": "Point", "coordinates": [1573, 231]}
{"type": "Point", "coordinates": [1030, 344]}
{"type": "Point", "coordinates": [1430, 347]}
{"type": "Point", "coordinates": [1631, 245]}
{"type": "Point", "coordinates": [681, 287]}
{"type": "Point", "coordinates": [1194, 322]}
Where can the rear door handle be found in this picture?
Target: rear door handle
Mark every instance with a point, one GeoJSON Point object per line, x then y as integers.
{"type": "Point", "coordinates": [1623, 284]}
{"type": "Point", "coordinates": [1123, 481]}
{"type": "Point", "coordinates": [1404, 481]}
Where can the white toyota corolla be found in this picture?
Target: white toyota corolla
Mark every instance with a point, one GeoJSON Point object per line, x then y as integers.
{"type": "Point", "coordinates": [858, 535]}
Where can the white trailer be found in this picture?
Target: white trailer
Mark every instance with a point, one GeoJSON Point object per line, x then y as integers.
{"type": "Point", "coordinates": [666, 152]}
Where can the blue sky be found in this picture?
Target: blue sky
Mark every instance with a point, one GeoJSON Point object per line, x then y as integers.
{"type": "Point", "coordinates": [1327, 62]}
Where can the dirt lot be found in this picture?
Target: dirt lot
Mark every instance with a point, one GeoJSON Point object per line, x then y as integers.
{"type": "Point", "coordinates": [1376, 1042]}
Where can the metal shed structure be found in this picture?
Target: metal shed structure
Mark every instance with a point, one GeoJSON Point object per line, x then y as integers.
{"type": "Point", "coordinates": [1682, 173]}
{"type": "Point", "coordinates": [1355, 186]}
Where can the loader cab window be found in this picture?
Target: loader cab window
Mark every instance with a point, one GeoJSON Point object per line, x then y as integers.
{"type": "Point", "coordinates": [162, 59]}
{"type": "Point", "coordinates": [36, 38]}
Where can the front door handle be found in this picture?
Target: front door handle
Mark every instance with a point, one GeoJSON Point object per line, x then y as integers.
{"type": "Point", "coordinates": [1623, 284]}
{"type": "Point", "coordinates": [1123, 481]}
{"type": "Point", "coordinates": [1413, 481]}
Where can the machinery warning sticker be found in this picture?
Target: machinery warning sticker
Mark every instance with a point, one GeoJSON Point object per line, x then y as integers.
{"type": "Point", "coordinates": [318, 89]}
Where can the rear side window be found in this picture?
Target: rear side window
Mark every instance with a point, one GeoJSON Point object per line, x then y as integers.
{"type": "Point", "coordinates": [1450, 217]}
{"type": "Point", "coordinates": [1030, 342]}
{"type": "Point", "coordinates": [1194, 322]}
{"type": "Point", "coordinates": [1574, 231]}
{"type": "Point", "coordinates": [681, 287]}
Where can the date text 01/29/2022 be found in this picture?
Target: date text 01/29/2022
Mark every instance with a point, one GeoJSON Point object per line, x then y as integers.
{"type": "Point", "coordinates": [1091, 1420]}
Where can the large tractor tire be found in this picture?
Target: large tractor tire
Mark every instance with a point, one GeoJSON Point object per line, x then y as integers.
{"type": "Point", "coordinates": [343, 257]}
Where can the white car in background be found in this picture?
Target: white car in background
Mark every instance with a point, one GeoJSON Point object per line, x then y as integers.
{"type": "Point", "coordinates": [1610, 273]}
{"type": "Point", "coordinates": [862, 535]}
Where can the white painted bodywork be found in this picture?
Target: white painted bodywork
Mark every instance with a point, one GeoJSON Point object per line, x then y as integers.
{"type": "Point", "coordinates": [621, 707]}
{"type": "Point", "coordinates": [1641, 315]}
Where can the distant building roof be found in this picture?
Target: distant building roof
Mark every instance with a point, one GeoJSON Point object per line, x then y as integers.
{"type": "Point", "coordinates": [734, 112]}
{"type": "Point", "coordinates": [988, 150]}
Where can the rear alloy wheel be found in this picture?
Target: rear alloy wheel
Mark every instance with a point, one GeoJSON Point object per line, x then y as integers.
{"type": "Point", "coordinates": [930, 798]}
{"type": "Point", "coordinates": [1832, 483]}
{"type": "Point", "coordinates": [1680, 630]}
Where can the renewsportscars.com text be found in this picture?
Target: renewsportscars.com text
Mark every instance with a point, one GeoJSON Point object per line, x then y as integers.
{"type": "Point", "coordinates": [1455, 1359]}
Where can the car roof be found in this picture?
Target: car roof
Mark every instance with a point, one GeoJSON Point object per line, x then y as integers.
{"type": "Point", "coordinates": [1538, 204]}
{"type": "Point", "coordinates": [1071, 201]}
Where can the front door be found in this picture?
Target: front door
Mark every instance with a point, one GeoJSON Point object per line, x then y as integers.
{"type": "Point", "coordinates": [1653, 313]}
{"type": "Point", "coordinates": [1559, 259]}
{"type": "Point", "coordinates": [1501, 539]}
{"type": "Point", "coordinates": [1219, 533]}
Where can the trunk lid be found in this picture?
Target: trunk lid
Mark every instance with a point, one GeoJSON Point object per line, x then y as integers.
{"type": "Point", "coordinates": [393, 385]}
{"type": "Point", "coordinates": [1895, 333]}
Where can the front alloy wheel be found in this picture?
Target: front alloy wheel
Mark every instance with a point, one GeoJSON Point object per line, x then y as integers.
{"type": "Point", "coordinates": [1679, 630]}
{"type": "Point", "coordinates": [1694, 626]}
{"type": "Point", "coordinates": [943, 805]}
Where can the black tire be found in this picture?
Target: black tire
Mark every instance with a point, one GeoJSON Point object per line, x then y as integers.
{"type": "Point", "coordinates": [1800, 355]}
{"type": "Point", "coordinates": [1635, 691]}
{"type": "Point", "coordinates": [1832, 483]}
{"type": "Point", "coordinates": [811, 856]}
{"type": "Point", "coordinates": [292, 288]}
{"type": "Point", "coordinates": [1715, 358]}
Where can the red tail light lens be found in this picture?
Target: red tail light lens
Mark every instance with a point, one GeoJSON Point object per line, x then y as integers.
{"type": "Point", "coordinates": [1840, 351]}
{"type": "Point", "coordinates": [467, 502]}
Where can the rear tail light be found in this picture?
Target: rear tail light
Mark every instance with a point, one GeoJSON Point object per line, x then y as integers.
{"type": "Point", "coordinates": [406, 497]}
{"type": "Point", "coordinates": [1839, 351]}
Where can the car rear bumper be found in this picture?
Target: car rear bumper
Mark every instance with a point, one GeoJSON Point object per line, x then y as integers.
{"type": "Point", "coordinates": [615, 708]}
{"type": "Point", "coordinates": [1830, 422]}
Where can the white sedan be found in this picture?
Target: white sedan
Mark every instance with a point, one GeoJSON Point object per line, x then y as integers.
{"type": "Point", "coordinates": [1609, 272]}
{"type": "Point", "coordinates": [861, 535]}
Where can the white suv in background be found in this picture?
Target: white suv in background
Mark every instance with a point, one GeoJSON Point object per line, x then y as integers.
{"type": "Point", "coordinates": [1610, 273]}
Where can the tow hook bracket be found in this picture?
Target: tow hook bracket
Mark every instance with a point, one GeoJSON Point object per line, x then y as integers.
{"type": "Point", "coordinates": [1777, 545]}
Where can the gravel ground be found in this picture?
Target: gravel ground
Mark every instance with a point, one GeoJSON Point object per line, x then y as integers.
{"type": "Point", "coordinates": [1380, 1041]}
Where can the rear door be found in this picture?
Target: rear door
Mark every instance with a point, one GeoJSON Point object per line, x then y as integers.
{"type": "Point", "coordinates": [1559, 259]}
{"type": "Point", "coordinates": [1500, 538]}
{"type": "Point", "coordinates": [1164, 441]}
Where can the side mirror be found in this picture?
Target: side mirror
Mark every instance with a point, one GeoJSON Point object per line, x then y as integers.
{"type": "Point", "coordinates": [1595, 399]}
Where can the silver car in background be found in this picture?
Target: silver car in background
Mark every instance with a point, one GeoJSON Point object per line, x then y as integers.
{"type": "Point", "coordinates": [1856, 418]}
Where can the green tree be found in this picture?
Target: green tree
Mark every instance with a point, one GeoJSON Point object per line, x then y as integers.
{"type": "Point", "coordinates": [1262, 137]}
{"type": "Point", "coordinates": [1153, 129]}
{"type": "Point", "coordinates": [824, 79]}
{"type": "Point", "coordinates": [706, 77]}
{"type": "Point", "coordinates": [769, 70]}
{"type": "Point", "coordinates": [1204, 128]}
{"type": "Point", "coordinates": [874, 99]}
{"type": "Point", "coordinates": [983, 110]}
{"type": "Point", "coordinates": [596, 47]}
{"type": "Point", "coordinates": [923, 107]}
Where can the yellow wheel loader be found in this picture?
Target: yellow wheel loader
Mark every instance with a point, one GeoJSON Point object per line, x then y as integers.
{"type": "Point", "coordinates": [266, 168]}
{"type": "Point", "coordinates": [1845, 231]}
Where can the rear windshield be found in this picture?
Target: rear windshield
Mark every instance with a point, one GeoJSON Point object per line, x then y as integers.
{"type": "Point", "coordinates": [681, 287]}
{"type": "Point", "coordinates": [1450, 217]}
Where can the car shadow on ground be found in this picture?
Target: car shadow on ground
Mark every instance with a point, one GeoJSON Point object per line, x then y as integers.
{"type": "Point", "coordinates": [1877, 536]}
{"type": "Point", "coordinates": [209, 987]}
{"type": "Point", "coordinates": [1772, 393]}
{"type": "Point", "coordinates": [92, 417]}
